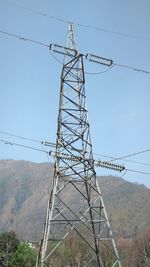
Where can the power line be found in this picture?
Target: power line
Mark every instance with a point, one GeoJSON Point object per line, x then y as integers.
{"type": "Point", "coordinates": [100, 72]}
{"type": "Point", "coordinates": [114, 32]}
{"type": "Point", "coordinates": [6, 142]}
{"type": "Point", "coordinates": [20, 137]}
{"type": "Point", "coordinates": [137, 171]}
{"type": "Point", "coordinates": [103, 164]}
{"type": "Point", "coordinates": [131, 155]}
{"type": "Point", "coordinates": [56, 58]}
{"type": "Point", "coordinates": [130, 161]}
{"type": "Point", "coordinates": [118, 65]}
{"type": "Point", "coordinates": [105, 30]}
{"type": "Point", "coordinates": [21, 38]}
{"type": "Point", "coordinates": [47, 143]}
{"type": "Point", "coordinates": [131, 68]}
{"type": "Point", "coordinates": [36, 12]}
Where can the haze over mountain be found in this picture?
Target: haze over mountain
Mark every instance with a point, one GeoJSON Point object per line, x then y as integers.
{"type": "Point", "coordinates": [24, 192]}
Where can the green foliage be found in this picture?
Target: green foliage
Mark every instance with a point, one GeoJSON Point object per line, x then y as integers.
{"type": "Point", "coordinates": [24, 256]}
{"type": "Point", "coordinates": [73, 252]}
{"type": "Point", "coordinates": [107, 257]}
{"type": "Point", "coordinates": [14, 253]}
{"type": "Point", "coordinates": [8, 245]}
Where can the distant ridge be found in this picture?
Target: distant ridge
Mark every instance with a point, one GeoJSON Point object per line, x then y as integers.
{"type": "Point", "coordinates": [24, 190]}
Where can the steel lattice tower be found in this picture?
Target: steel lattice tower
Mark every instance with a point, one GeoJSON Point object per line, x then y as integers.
{"type": "Point", "coordinates": [76, 205]}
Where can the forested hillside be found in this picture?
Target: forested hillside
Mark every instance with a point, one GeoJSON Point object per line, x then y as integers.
{"type": "Point", "coordinates": [24, 189]}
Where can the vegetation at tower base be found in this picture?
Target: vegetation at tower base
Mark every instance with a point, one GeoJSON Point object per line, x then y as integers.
{"type": "Point", "coordinates": [24, 189]}
{"type": "Point", "coordinates": [134, 253]}
{"type": "Point", "coordinates": [14, 253]}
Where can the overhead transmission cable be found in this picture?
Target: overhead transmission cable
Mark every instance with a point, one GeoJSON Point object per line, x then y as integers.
{"type": "Point", "coordinates": [116, 158]}
{"type": "Point", "coordinates": [100, 72]}
{"type": "Point", "coordinates": [137, 171]}
{"type": "Point", "coordinates": [39, 13]}
{"type": "Point", "coordinates": [131, 155]}
{"type": "Point", "coordinates": [20, 137]}
{"type": "Point", "coordinates": [110, 63]}
{"type": "Point", "coordinates": [21, 38]}
{"type": "Point", "coordinates": [50, 144]}
{"type": "Point", "coordinates": [105, 30]}
{"type": "Point", "coordinates": [99, 163]}
{"type": "Point", "coordinates": [46, 143]}
{"type": "Point", "coordinates": [131, 68]}
{"type": "Point", "coordinates": [6, 142]}
{"type": "Point", "coordinates": [68, 157]}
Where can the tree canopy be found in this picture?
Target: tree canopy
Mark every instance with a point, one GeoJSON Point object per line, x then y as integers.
{"type": "Point", "coordinates": [14, 253]}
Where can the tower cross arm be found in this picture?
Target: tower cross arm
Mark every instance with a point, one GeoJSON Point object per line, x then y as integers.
{"type": "Point", "coordinates": [97, 163]}
{"type": "Point", "coordinates": [64, 50]}
{"type": "Point", "coordinates": [72, 52]}
{"type": "Point", "coordinates": [109, 165]}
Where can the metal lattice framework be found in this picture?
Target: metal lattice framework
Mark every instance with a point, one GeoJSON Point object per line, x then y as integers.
{"type": "Point", "coordinates": [76, 205]}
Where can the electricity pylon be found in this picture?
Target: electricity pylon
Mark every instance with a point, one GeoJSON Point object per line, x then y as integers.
{"type": "Point", "coordinates": [76, 205]}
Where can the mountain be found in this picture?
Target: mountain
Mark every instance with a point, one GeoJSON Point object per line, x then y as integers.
{"type": "Point", "coordinates": [24, 192]}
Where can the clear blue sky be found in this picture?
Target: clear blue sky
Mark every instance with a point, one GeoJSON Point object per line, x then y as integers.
{"type": "Point", "coordinates": [118, 100]}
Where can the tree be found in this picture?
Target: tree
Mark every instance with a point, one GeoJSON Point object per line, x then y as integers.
{"type": "Point", "coordinates": [142, 249]}
{"type": "Point", "coordinates": [14, 253]}
{"type": "Point", "coordinates": [24, 256]}
{"type": "Point", "coordinates": [73, 252]}
{"type": "Point", "coordinates": [8, 245]}
{"type": "Point", "coordinates": [136, 252]}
